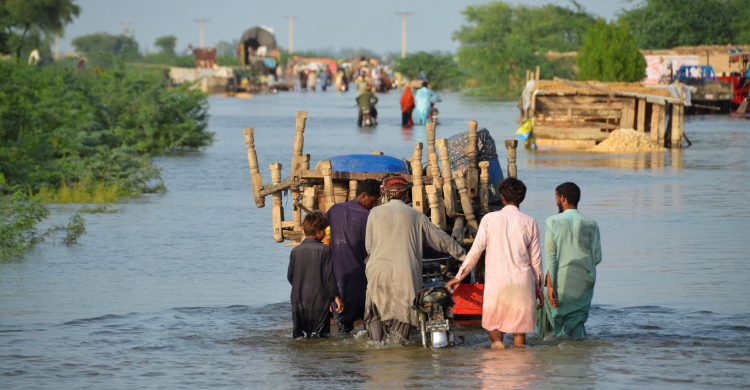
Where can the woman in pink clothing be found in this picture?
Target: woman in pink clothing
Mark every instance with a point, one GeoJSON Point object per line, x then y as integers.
{"type": "Point", "coordinates": [513, 266]}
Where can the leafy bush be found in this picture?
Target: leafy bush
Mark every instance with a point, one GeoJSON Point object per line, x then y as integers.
{"type": "Point", "coordinates": [609, 53]}
{"type": "Point", "coordinates": [70, 137]}
{"type": "Point", "coordinates": [59, 126]}
{"type": "Point", "coordinates": [19, 216]}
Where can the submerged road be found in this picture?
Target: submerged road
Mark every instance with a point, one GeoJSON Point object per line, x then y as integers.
{"type": "Point", "coordinates": [187, 289]}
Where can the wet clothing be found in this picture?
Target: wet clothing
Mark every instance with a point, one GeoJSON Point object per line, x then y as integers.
{"type": "Point", "coordinates": [572, 248]}
{"type": "Point", "coordinates": [348, 228]}
{"type": "Point", "coordinates": [313, 288]}
{"type": "Point", "coordinates": [407, 106]}
{"type": "Point", "coordinates": [392, 331]}
{"type": "Point", "coordinates": [423, 103]}
{"type": "Point", "coordinates": [513, 266]}
{"type": "Point", "coordinates": [395, 236]}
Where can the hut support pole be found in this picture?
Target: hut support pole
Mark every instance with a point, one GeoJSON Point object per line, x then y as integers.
{"type": "Point", "coordinates": [252, 159]}
{"type": "Point", "coordinates": [417, 190]}
{"type": "Point", "coordinates": [473, 173]}
{"type": "Point", "coordinates": [449, 192]}
{"type": "Point", "coordinates": [657, 124]}
{"type": "Point", "coordinates": [677, 113]}
{"type": "Point", "coordinates": [484, 192]}
{"type": "Point", "coordinates": [278, 209]}
{"type": "Point", "coordinates": [468, 209]}
{"type": "Point", "coordinates": [641, 123]}
{"type": "Point", "coordinates": [511, 145]}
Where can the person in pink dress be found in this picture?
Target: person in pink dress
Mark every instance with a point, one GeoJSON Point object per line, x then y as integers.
{"type": "Point", "coordinates": [513, 267]}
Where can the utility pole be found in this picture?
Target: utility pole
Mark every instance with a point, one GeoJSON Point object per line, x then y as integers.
{"type": "Point", "coordinates": [291, 18]}
{"type": "Point", "coordinates": [403, 31]}
{"type": "Point", "coordinates": [203, 31]}
{"type": "Point", "coordinates": [126, 28]}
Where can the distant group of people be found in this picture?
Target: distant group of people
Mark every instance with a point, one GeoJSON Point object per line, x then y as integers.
{"type": "Point", "coordinates": [371, 266]}
{"type": "Point", "coordinates": [308, 78]}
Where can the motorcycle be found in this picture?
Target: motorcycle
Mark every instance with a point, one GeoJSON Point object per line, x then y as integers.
{"type": "Point", "coordinates": [367, 118]}
{"type": "Point", "coordinates": [434, 305]}
{"type": "Point", "coordinates": [433, 116]}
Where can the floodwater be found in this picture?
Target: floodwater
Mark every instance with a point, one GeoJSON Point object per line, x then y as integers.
{"type": "Point", "coordinates": [188, 289]}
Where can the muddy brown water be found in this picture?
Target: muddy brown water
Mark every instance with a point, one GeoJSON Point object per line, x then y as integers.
{"type": "Point", "coordinates": [188, 289]}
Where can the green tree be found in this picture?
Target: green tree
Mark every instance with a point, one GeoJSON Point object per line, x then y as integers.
{"type": "Point", "coordinates": [105, 43]}
{"type": "Point", "coordinates": [27, 22]}
{"type": "Point", "coordinates": [501, 41]}
{"type": "Point", "coordinates": [441, 70]}
{"type": "Point", "coordinates": [167, 44]}
{"type": "Point", "coordinates": [609, 53]}
{"type": "Point", "coordinates": [662, 24]}
{"type": "Point", "coordinates": [227, 49]}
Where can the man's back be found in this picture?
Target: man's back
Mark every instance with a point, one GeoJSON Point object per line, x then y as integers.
{"type": "Point", "coordinates": [573, 239]}
{"type": "Point", "coordinates": [365, 99]}
{"type": "Point", "coordinates": [395, 234]}
{"type": "Point", "coordinates": [348, 227]}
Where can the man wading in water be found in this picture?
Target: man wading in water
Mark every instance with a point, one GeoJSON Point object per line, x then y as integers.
{"type": "Point", "coordinates": [573, 249]}
{"type": "Point", "coordinates": [394, 239]}
{"type": "Point", "coordinates": [348, 227]}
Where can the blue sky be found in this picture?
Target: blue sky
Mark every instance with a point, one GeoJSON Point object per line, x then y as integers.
{"type": "Point", "coordinates": [320, 24]}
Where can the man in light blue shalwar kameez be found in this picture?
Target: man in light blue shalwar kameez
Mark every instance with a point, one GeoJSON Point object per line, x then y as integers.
{"type": "Point", "coordinates": [423, 102]}
{"type": "Point", "coordinates": [572, 250]}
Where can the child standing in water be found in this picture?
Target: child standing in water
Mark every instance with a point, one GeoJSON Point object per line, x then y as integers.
{"type": "Point", "coordinates": [313, 284]}
{"type": "Point", "coordinates": [513, 262]}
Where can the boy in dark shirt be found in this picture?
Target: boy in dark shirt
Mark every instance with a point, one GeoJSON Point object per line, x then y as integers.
{"type": "Point", "coordinates": [313, 284]}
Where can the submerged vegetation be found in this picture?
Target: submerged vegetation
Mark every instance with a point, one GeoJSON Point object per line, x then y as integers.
{"type": "Point", "coordinates": [73, 137]}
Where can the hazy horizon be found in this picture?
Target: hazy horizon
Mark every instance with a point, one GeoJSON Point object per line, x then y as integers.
{"type": "Point", "coordinates": [336, 26]}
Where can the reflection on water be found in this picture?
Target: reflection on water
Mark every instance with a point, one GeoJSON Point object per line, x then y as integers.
{"type": "Point", "coordinates": [653, 161]}
{"type": "Point", "coordinates": [187, 289]}
{"type": "Point", "coordinates": [510, 368]}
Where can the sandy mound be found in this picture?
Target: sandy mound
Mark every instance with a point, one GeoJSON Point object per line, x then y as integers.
{"type": "Point", "coordinates": [626, 141]}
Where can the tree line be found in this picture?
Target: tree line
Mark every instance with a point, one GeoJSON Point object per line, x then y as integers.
{"type": "Point", "coordinates": [500, 41]}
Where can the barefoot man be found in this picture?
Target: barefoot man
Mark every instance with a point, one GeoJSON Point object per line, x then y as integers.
{"type": "Point", "coordinates": [513, 271]}
{"type": "Point", "coordinates": [573, 249]}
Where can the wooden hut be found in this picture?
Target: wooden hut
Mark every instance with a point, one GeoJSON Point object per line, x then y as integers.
{"type": "Point", "coordinates": [583, 114]}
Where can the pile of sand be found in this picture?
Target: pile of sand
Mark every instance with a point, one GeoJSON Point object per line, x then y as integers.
{"type": "Point", "coordinates": [626, 141]}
